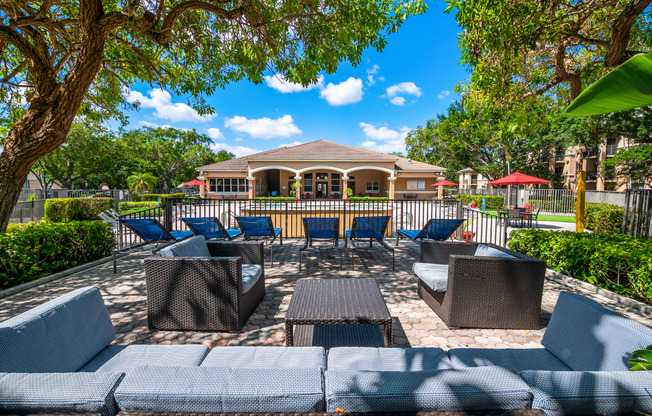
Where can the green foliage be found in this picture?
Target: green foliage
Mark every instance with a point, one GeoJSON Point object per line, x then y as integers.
{"type": "Point", "coordinates": [624, 88]}
{"type": "Point", "coordinates": [619, 263]}
{"type": "Point", "coordinates": [122, 206]}
{"type": "Point", "coordinates": [76, 209]}
{"type": "Point", "coordinates": [368, 199]}
{"type": "Point", "coordinates": [349, 192]}
{"type": "Point", "coordinates": [139, 182]}
{"type": "Point", "coordinates": [603, 218]}
{"type": "Point", "coordinates": [163, 197]}
{"type": "Point", "coordinates": [641, 360]}
{"type": "Point", "coordinates": [491, 202]}
{"type": "Point", "coordinates": [39, 249]}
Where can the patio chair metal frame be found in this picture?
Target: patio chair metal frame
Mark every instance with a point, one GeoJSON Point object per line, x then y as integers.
{"type": "Point", "coordinates": [271, 232]}
{"type": "Point", "coordinates": [529, 216]}
{"type": "Point", "coordinates": [170, 237]}
{"type": "Point", "coordinates": [423, 234]}
{"type": "Point", "coordinates": [355, 234]}
{"type": "Point", "coordinates": [192, 224]}
{"type": "Point", "coordinates": [312, 236]}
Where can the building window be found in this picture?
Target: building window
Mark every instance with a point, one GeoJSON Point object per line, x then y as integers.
{"type": "Point", "coordinates": [322, 176]}
{"type": "Point", "coordinates": [335, 182]}
{"type": "Point", "coordinates": [474, 179]}
{"type": "Point", "coordinates": [228, 185]}
{"type": "Point", "coordinates": [559, 171]}
{"type": "Point", "coordinates": [612, 147]}
{"type": "Point", "coordinates": [412, 184]}
{"type": "Point", "coordinates": [307, 182]}
{"type": "Point", "coordinates": [373, 187]}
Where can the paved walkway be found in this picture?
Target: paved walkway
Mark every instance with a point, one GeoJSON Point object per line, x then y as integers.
{"type": "Point", "coordinates": [414, 322]}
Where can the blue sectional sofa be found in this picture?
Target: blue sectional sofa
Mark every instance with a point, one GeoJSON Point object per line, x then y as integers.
{"type": "Point", "coordinates": [58, 358]}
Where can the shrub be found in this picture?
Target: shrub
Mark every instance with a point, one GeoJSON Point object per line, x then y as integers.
{"type": "Point", "coordinates": [129, 205]}
{"type": "Point", "coordinates": [38, 249]}
{"type": "Point", "coordinates": [491, 202]}
{"type": "Point", "coordinates": [619, 263]}
{"type": "Point", "coordinates": [155, 197]}
{"type": "Point", "coordinates": [603, 218]}
{"type": "Point", "coordinates": [76, 209]}
{"type": "Point", "coordinates": [368, 199]}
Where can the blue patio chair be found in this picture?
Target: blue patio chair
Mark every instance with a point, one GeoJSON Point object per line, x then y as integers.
{"type": "Point", "coordinates": [368, 228]}
{"type": "Point", "coordinates": [321, 229]}
{"type": "Point", "coordinates": [439, 229]}
{"type": "Point", "coordinates": [150, 230]}
{"type": "Point", "coordinates": [210, 228]}
{"type": "Point", "coordinates": [260, 228]}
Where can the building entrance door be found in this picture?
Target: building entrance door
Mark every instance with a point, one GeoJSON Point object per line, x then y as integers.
{"type": "Point", "coordinates": [322, 190]}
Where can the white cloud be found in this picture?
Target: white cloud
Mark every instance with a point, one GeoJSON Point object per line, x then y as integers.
{"type": "Point", "coordinates": [443, 94]}
{"type": "Point", "coordinates": [264, 128]}
{"type": "Point", "coordinates": [294, 143]}
{"type": "Point", "coordinates": [370, 75]}
{"type": "Point", "coordinates": [214, 133]}
{"type": "Point", "coordinates": [396, 92]}
{"type": "Point", "coordinates": [347, 92]}
{"type": "Point", "coordinates": [161, 101]}
{"type": "Point", "coordinates": [238, 151]}
{"type": "Point", "coordinates": [239, 139]}
{"type": "Point", "coordinates": [280, 84]}
{"type": "Point", "coordinates": [157, 126]}
{"type": "Point", "coordinates": [384, 139]}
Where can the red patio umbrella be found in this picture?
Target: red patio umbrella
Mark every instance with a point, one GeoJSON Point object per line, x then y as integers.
{"type": "Point", "coordinates": [195, 182]}
{"type": "Point", "coordinates": [518, 178]}
{"type": "Point", "coordinates": [441, 185]}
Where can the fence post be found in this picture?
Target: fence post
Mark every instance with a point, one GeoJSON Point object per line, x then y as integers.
{"type": "Point", "coordinates": [168, 213]}
{"type": "Point", "coordinates": [458, 214]}
{"type": "Point", "coordinates": [623, 227]}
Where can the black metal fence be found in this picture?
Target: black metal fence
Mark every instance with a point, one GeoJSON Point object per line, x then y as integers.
{"type": "Point", "coordinates": [28, 211]}
{"type": "Point", "coordinates": [288, 214]}
{"type": "Point", "coordinates": [637, 219]}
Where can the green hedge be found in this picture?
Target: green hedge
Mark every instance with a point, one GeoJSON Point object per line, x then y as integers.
{"type": "Point", "coordinates": [619, 263]}
{"type": "Point", "coordinates": [38, 249]}
{"type": "Point", "coordinates": [368, 199]}
{"type": "Point", "coordinates": [76, 209]}
{"type": "Point", "coordinates": [491, 202]}
{"type": "Point", "coordinates": [603, 218]}
{"type": "Point", "coordinates": [129, 205]}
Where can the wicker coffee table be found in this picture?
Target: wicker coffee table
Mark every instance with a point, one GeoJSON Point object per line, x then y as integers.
{"type": "Point", "coordinates": [326, 302]}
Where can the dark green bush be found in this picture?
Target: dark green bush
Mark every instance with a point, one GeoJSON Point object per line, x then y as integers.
{"type": "Point", "coordinates": [76, 209]}
{"type": "Point", "coordinates": [619, 262]}
{"type": "Point", "coordinates": [38, 249]}
{"type": "Point", "coordinates": [129, 205]}
{"type": "Point", "coordinates": [603, 218]}
{"type": "Point", "coordinates": [368, 199]}
{"type": "Point", "coordinates": [491, 202]}
{"type": "Point", "coordinates": [155, 197]}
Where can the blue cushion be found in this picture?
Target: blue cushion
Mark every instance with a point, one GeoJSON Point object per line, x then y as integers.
{"type": "Point", "coordinates": [124, 358]}
{"type": "Point", "coordinates": [388, 359]}
{"type": "Point", "coordinates": [432, 274]}
{"type": "Point", "coordinates": [486, 251]}
{"type": "Point", "coordinates": [265, 357]}
{"type": "Point", "coordinates": [468, 389]}
{"type": "Point", "coordinates": [590, 392]}
{"type": "Point", "coordinates": [58, 393]}
{"type": "Point", "coordinates": [58, 336]}
{"type": "Point", "coordinates": [515, 360]}
{"type": "Point", "coordinates": [220, 389]}
{"type": "Point", "coordinates": [192, 247]}
{"type": "Point", "coordinates": [587, 336]}
{"type": "Point", "coordinates": [250, 275]}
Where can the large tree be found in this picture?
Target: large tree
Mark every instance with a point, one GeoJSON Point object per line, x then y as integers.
{"type": "Point", "coordinates": [62, 57]}
{"type": "Point", "coordinates": [518, 49]}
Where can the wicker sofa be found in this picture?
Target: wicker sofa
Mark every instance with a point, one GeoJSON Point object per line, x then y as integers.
{"type": "Point", "coordinates": [480, 285]}
{"type": "Point", "coordinates": [200, 285]}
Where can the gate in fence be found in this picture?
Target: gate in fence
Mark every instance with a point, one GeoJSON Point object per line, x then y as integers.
{"type": "Point", "coordinates": [288, 214]}
{"type": "Point", "coordinates": [637, 218]}
{"type": "Point", "coordinates": [28, 211]}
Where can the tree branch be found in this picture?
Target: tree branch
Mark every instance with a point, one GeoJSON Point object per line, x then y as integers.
{"type": "Point", "coordinates": [621, 32]}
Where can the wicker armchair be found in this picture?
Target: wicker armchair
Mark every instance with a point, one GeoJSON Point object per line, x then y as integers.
{"type": "Point", "coordinates": [484, 292]}
{"type": "Point", "coordinates": [204, 293]}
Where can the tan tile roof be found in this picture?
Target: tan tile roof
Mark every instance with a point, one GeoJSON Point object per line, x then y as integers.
{"type": "Point", "coordinates": [320, 150]}
{"type": "Point", "coordinates": [466, 170]}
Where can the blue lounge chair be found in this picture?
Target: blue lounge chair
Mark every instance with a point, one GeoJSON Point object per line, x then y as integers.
{"type": "Point", "coordinates": [321, 229]}
{"type": "Point", "coordinates": [368, 228]}
{"type": "Point", "coordinates": [211, 228]}
{"type": "Point", "coordinates": [439, 229]}
{"type": "Point", "coordinates": [150, 231]}
{"type": "Point", "coordinates": [260, 228]}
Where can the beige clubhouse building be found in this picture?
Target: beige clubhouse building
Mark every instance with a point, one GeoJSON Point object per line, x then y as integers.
{"type": "Point", "coordinates": [321, 169]}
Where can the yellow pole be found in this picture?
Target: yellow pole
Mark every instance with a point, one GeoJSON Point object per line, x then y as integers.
{"type": "Point", "coordinates": [581, 193]}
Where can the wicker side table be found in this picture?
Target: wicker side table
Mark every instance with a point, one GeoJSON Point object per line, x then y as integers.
{"type": "Point", "coordinates": [337, 302]}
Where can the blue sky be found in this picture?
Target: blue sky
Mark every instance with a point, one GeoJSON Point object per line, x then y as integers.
{"type": "Point", "coordinates": [372, 105]}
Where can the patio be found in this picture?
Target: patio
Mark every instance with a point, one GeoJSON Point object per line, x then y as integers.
{"type": "Point", "coordinates": [415, 325]}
